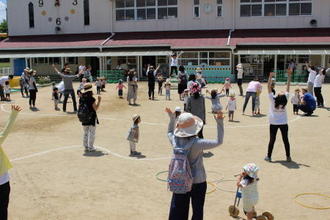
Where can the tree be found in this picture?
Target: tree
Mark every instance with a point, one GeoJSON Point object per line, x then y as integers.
{"type": "Point", "coordinates": [4, 27]}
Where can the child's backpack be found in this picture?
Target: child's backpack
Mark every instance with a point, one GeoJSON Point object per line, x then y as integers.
{"type": "Point", "coordinates": [179, 174]}
{"type": "Point", "coordinates": [84, 114]}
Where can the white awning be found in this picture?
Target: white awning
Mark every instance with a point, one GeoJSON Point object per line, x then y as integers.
{"type": "Point", "coordinates": [283, 52]}
{"type": "Point", "coordinates": [86, 54]}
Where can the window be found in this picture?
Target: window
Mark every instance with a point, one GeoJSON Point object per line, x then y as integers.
{"type": "Point", "coordinates": [167, 9]}
{"type": "Point", "coordinates": [41, 60]}
{"type": "Point", "coordinates": [275, 7]}
{"type": "Point", "coordinates": [251, 8]}
{"type": "Point", "coordinates": [205, 58]}
{"type": "Point", "coordinates": [72, 60]}
{"type": "Point", "coordinates": [54, 60]}
{"type": "Point", "coordinates": [300, 7]}
{"type": "Point", "coordinates": [86, 12]}
{"type": "Point", "coordinates": [31, 15]}
{"type": "Point", "coordinates": [145, 9]}
{"type": "Point", "coordinates": [219, 8]}
{"type": "Point", "coordinates": [196, 8]}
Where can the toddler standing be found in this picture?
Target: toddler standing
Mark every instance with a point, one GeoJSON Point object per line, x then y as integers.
{"type": "Point", "coordinates": [295, 100]}
{"type": "Point", "coordinates": [7, 90]}
{"type": "Point", "coordinates": [231, 106]}
{"type": "Point", "coordinates": [120, 86]}
{"type": "Point", "coordinates": [248, 183]}
{"type": "Point", "coordinates": [56, 98]}
{"type": "Point", "coordinates": [227, 86]}
{"type": "Point", "coordinates": [168, 89]}
{"type": "Point", "coordinates": [98, 84]}
{"type": "Point", "coordinates": [133, 136]}
{"type": "Point", "coordinates": [185, 99]}
{"type": "Point", "coordinates": [103, 83]}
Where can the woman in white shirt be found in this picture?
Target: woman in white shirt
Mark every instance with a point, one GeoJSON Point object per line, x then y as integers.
{"type": "Point", "coordinates": [278, 118]}
{"type": "Point", "coordinates": [311, 78]}
{"type": "Point", "coordinates": [174, 63]}
{"type": "Point", "coordinates": [319, 79]}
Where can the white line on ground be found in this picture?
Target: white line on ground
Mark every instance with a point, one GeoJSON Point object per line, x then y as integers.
{"type": "Point", "coordinates": [104, 117]}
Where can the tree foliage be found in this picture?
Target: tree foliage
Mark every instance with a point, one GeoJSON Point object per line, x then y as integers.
{"type": "Point", "coordinates": [4, 27]}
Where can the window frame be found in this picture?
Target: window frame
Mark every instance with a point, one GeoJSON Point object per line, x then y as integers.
{"type": "Point", "coordinates": [156, 7]}
{"type": "Point", "coordinates": [219, 5]}
{"type": "Point", "coordinates": [200, 59]}
{"type": "Point", "coordinates": [263, 4]}
{"type": "Point", "coordinates": [196, 6]}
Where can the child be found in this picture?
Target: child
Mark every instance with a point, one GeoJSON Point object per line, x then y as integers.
{"type": "Point", "coordinates": [295, 100]}
{"type": "Point", "coordinates": [133, 136]}
{"type": "Point", "coordinates": [168, 89]}
{"type": "Point", "coordinates": [160, 80]}
{"type": "Point", "coordinates": [7, 90]}
{"type": "Point", "coordinates": [81, 86]}
{"type": "Point", "coordinates": [185, 99]}
{"type": "Point", "coordinates": [247, 181]}
{"type": "Point", "coordinates": [53, 87]}
{"type": "Point", "coordinates": [103, 82]}
{"type": "Point", "coordinates": [56, 98]}
{"type": "Point", "coordinates": [98, 85]}
{"type": "Point", "coordinates": [227, 86]}
{"type": "Point", "coordinates": [215, 99]}
{"type": "Point", "coordinates": [231, 106]}
{"type": "Point", "coordinates": [257, 103]}
{"type": "Point", "coordinates": [120, 88]}
{"type": "Point", "coordinates": [177, 112]}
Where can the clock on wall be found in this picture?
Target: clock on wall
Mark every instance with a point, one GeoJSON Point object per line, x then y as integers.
{"type": "Point", "coordinates": [208, 8]}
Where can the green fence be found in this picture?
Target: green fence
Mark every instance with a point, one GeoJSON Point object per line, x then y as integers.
{"type": "Point", "coordinates": [213, 74]}
{"type": "Point", "coordinates": [297, 76]}
{"type": "Point", "coordinates": [112, 76]}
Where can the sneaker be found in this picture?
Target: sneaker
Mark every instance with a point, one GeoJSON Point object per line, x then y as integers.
{"type": "Point", "coordinates": [288, 159]}
{"type": "Point", "coordinates": [268, 159]}
{"type": "Point", "coordinates": [137, 153]}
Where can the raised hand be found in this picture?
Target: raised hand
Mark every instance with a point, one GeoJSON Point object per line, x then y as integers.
{"type": "Point", "coordinates": [16, 108]}
{"type": "Point", "coordinates": [168, 110]}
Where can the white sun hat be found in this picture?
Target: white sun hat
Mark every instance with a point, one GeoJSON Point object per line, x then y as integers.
{"type": "Point", "coordinates": [188, 125]}
{"type": "Point", "coordinates": [178, 109]}
{"type": "Point", "coordinates": [251, 170]}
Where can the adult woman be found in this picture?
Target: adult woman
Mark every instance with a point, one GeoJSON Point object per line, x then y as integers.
{"type": "Point", "coordinates": [5, 165]}
{"type": "Point", "coordinates": [88, 117]}
{"type": "Point", "coordinates": [32, 89]}
{"type": "Point", "coordinates": [251, 91]}
{"type": "Point", "coordinates": [196, 104]}
{"type": "Point", "coordinates": [184, 135]}
{"type": "Point", "coordinates": [240, 72]}
{"type": "Point", "coordinates": [278, 118]}
{"type": "Point", "coordinates": [132, 87]}
{"type": "Point", "coordinates": [182, 85]}
{"type": "Point", "coordinates": [319, 79]}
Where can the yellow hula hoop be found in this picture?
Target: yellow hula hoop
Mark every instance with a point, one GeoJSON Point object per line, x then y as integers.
{"type": "Point", "coordinates": [214, 188]}
{"type": "Point", "coordinates": [311, 207]}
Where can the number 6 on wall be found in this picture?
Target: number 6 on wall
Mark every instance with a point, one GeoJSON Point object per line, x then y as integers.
{"type": "Point", "coordinates": [41, 3]}
{"type": "Point", "coordinates": [58, 21]}
{"type": "Point", "coordinates": [75, 2]}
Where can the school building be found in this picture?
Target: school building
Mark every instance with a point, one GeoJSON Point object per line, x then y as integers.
{"type": "Point", "coordinates": [264, 35]}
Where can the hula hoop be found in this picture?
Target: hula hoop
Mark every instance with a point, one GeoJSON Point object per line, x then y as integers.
{"type": "Point", "coordinates": [160, 179]}
{"type": "Point", "coordinates": [216, 180]}
{"type": "Point", "coordinates": [212, 190]}
{"type": "Point", "coordinates": [225, 190]}
{"type": "Point", "coordinates": [311, 207]}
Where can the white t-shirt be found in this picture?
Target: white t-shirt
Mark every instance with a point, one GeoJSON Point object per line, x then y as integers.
{"type": "Point", "coordinates": [174, 61]}
{"type": "Point", "coordinates": [311, 76]}
{"type": "Point", "coordinates": [231, 105]}
{"type": "Point", "coordinates": [250, 191]}
{"type": "Point", "coordinates": [277, 116]}
{"type": "Point", "coordinates": [295, 99]}
{"type": "Point", "coordinates": [239, 73]}
{"type": "Point", "coordinates": [4, 178]}
{"type": "Point", "coordinates": [319, 79]}
{"type": "Point", "coordinates": [3, 79]}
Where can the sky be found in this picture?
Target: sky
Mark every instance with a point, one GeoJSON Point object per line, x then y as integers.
{"type": "Point", "coordinates": [3, 5]}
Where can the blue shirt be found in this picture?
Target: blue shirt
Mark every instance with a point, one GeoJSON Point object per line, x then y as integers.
{"type": "Point", "coordinates": [310, 101]}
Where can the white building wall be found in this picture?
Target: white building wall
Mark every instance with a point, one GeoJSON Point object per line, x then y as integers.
{"type": "Point", "coordinates": [18, 18]}
{"type": "Point", "coordinates": [103, 18]}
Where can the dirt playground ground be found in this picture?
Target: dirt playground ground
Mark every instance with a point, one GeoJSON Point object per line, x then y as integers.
{"type": "Point", "coordinates": [53, 178]}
